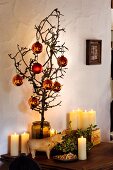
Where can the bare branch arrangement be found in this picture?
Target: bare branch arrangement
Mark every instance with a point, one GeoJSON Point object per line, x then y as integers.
{"type": "Point", "coordinates": [46, 86]}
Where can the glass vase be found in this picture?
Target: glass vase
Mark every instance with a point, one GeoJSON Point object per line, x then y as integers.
{"type": "Point", "coordinates": [36, 129]}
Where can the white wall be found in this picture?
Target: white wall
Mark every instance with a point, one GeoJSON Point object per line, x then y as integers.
{"type": "Point", "coordinates": [83, 86]}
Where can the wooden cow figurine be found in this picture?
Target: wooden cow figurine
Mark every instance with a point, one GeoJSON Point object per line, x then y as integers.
{"type": "Point", "coordinates": [45, 144]}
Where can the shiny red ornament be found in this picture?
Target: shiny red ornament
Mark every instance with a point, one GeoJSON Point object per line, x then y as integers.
{"type": "Point", "coordinates": [37, 68]}
{"type": "Point", "coordinates": [33, 102]}
{"type": "Point", "coordinates": [17, 80]}
{"type": "Point", "coordinates": [56, 86]}
{"type": "Point", "coordinates": [37, 47]}
{"type": "Point", "coordinates": [62, 61]}
{"type": "Point", "coordinates": [47, 84]}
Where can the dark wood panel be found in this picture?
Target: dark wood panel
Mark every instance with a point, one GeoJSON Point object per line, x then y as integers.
{"type": "Point", "coordinates": [111, 3]}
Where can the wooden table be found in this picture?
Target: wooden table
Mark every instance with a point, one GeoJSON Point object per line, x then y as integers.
{"type": "Point", "coordinates": [99, 158]}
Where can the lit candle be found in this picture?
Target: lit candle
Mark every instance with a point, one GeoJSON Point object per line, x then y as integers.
{"type": "Point", "coordinates": [73, 116]}
{"type": "Point", "coordinates": [82, 148]}
{"type": "Point", "coordinates": [92, 117]}
{"type": "Point", "coordinates": [24, 140]}
{"type": "Point", "coordinates": [80, 121]}
{"type": "Point", "coordinates": [85, 120]}
{"type": "Point", "coordinates": [14, 147]}
{"type": "Point", "coordinates": [53, 132]}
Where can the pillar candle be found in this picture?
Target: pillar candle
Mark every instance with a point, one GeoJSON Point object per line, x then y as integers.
{"type": "Point", "coordinates": [82, 148]}
{"type": "Point", "coordinates": [24, 140]}
{"type": "Point", "coordinates": [80, 115]}
{"type": "Point", "coordinates": [73, 116]}
{"type": "Point", "coordinates": [85, 120]}
{"type": "Point", "coordinates": [14, 147]}
{"type": "Point", "coordinates": [92, 117]}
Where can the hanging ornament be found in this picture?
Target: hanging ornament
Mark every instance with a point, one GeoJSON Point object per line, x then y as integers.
{"type": "Point", "coordinates": [33, 102]}
{"type": "Point", "coordinates": [62, 61]}
{"type": "Point", "coordinates": [17, 80]}
{"type": "Point", "coordinates": [37, 68]}
{"type": "Point", "coordinates": [37, 47]}
{"type": "Point", "coordinates": [56, 86]}
{"type": "Point", "coordinates": [47, 84]}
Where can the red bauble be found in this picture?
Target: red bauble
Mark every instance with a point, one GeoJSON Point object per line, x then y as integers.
{"type": "Point", "coordinates": [56, 86]}
{"type": "Point", "coordinates": [37, 47]}
{"type": "Point", "coordinates": [47, 84]}
{"type": "Point", "coordinates": [62, 61]}
{"type": "Point", "coordinates": [37, 68]}
{"type": "Point", "coordinates": [17, 80]}
{"type": "Point", "coordinates": [33, 102]}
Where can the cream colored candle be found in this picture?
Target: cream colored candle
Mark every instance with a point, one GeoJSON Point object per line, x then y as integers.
{"type": "Point", "coordinates": [14, 147]}
{"type": "Point", "coordinates": [92, 117]}
{"type": "Point", "coordinates": [82, 148]}
{"type": "Point", "coordinates": [80, 120]}
{"type": "Point", "coordinates": [73, 116]}
{"type": "Point", "coordinates": [85, 120]}
{"type": "Point", "coordinates": [24, 140]}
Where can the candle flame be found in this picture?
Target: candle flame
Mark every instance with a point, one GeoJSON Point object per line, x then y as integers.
{"type": "Point", "coordinates": [52, 130]}
{"type": "Point", "coordinates": [79, 109]}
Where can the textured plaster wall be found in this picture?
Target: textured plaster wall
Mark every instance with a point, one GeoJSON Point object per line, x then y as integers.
{"type": "Point", "coordinates": [83, 86]}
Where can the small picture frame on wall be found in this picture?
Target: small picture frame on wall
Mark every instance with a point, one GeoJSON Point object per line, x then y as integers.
{"type": "Point", "coordinates": [93, 52]}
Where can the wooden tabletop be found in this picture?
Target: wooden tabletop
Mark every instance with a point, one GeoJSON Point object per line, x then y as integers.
{"type": "Point", "coordinates": [100, 157]}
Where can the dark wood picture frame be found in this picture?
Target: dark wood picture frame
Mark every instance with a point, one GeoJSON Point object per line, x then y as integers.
{"type": "Point", "coordinates": [111, 3]}
{"type": "Point", "coordinates": [93, 52]}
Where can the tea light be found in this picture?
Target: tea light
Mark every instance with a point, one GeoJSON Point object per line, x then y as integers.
{"type": "Point", "coordinates": [82, 148]}
{"type": "Point", "coordinates": [14, 147]}
{"type": "Point", "coordinates": [24, 140]}
{"type": "Point", "coordinates": [52, 132]}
